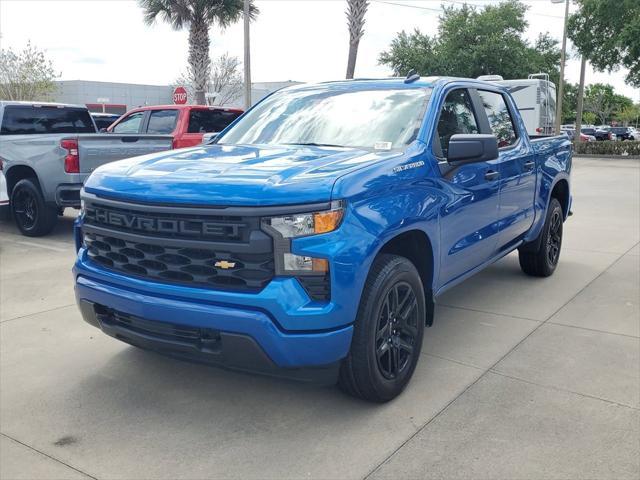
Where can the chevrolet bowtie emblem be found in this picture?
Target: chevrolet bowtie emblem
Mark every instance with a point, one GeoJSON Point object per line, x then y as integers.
{"type": "Point", "coordinates": [225, 265]}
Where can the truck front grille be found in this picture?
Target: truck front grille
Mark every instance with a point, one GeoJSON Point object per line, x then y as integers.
{"type": "Point", "coordinates": [188, 246]}
{"type": "Point", "coordinates": [201, 266]}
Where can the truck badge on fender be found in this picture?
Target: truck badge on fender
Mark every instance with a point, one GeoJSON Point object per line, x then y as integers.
{"type": "Point", "coordinates": [408, 166]}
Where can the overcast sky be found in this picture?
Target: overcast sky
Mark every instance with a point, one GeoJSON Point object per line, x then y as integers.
{"type": "Point", "coordinates": [304, 40]}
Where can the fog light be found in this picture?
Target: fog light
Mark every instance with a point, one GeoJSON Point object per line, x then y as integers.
{"type": "Point", "coordinates": [299, 263]}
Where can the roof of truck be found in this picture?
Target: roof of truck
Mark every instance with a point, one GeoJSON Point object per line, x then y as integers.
{"type": "Point", "coordinates": [389, 82]}
{"type": "Point", "coordinates": [4, 103]}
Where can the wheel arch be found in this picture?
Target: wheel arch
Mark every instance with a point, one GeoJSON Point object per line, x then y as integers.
{"type": "Point", "coordinates": [19, 172]}
{"type": "Point", "coordinates": [416, 246]}
{"type": "Point", "coordinates": [560, 192]}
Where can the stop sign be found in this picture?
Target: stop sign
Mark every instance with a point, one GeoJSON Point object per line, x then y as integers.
{"type": "Point", "coordinates": [180, 96]}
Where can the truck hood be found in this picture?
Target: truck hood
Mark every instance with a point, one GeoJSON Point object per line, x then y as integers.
{"type": "Point", "coordinates": [231, 174]}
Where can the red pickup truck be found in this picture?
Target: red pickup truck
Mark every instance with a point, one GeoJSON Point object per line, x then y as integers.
{"type": "Point", "coordinates": [187, 123]}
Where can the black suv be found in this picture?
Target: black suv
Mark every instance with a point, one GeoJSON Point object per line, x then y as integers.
{"type": "Point", "coordinates": [623, 133]}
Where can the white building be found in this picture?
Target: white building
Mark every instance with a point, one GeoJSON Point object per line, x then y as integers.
{"type": "Point", "coordinates": [120, 97]}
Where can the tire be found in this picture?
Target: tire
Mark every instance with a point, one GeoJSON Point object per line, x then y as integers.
{"type": "Point", "coordinates": [33, 217]}
{"type": "Point", "coordinates": [385, 349]}
{"type": "Point", "coordinates": [543, 261]}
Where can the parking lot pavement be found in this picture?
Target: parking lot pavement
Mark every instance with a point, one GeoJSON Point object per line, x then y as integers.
{"type": "Point", "coordinates": [520, 377]}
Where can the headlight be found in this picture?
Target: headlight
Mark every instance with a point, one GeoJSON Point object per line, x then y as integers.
{"type": "Point", "coordinates": [301, 224]}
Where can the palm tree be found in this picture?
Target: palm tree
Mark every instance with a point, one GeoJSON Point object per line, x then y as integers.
{"type": "Point", "coordinates": [356, 10]}
{"type": "Point", "coordinates": [198, 16]}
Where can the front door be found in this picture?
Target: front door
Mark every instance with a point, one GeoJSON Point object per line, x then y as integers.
{"type": "Point", "coordinates": [468, 221]}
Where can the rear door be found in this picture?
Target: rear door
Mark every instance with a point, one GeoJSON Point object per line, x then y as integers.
{"type": "Point", "coordinates": [468, 224]}
{"type": "Point", "coordinates": [517, 169]}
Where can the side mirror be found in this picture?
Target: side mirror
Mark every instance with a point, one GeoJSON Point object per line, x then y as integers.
{"type": "Point", "coordinates": [471, 148]}
{"type": "Point", "coordinates": [103, 130]}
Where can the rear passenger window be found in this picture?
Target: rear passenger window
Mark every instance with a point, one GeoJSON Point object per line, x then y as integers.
{"type": "Point", "coordinates": [162, 122]}
{"type": "Point", "coordinates": [456, 117]}
{"type": "Point", "coordinates": [32, 120]}
{"type": "Point", "coordinates": [499, 118]}
{"type": "Point", "coordinates": [209, 121]}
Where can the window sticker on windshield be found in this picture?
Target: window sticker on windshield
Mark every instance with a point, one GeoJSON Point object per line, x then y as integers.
{"type": "Point", "coordinates": [382, 146]}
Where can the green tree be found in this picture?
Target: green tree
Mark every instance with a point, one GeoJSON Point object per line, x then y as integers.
{"type": "Point", "coordinates": [471, 42]}
{"type": "Point", "coordinates": [198, 16]}
{"type": "Point", "coordinates": [607, 33]}
{"type": "Point", "coordinates": [589, 118]}
{"type": "Point", "coordinates": [629, 115]}
{"type": "Point", "coordinates": [356, 10]}
{"type": "Point", "coordinates": [601, 100]}
{"type": "Point", "coordinates": [26, 75]}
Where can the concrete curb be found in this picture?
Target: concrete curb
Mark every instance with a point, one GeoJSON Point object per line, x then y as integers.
{"type": "Point", "coordinates": [608, 157]}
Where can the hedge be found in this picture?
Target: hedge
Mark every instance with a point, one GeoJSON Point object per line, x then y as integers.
{"type": "Point", "coordinates": [609, 148]}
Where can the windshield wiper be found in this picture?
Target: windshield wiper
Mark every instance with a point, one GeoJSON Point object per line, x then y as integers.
{"type": "Point", "coordinates": [313, 144]}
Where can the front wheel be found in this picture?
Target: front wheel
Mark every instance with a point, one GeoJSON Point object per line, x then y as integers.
{"type": "Point", "coordinates": [388, 331]}
{"type": "Point", "coordinates": [543, 261]}
{"type": "Point", "coordinates": [32, 215]}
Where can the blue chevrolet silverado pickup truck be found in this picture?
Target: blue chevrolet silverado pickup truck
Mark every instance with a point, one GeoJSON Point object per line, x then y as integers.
{"type": "Point", "coordinates": [312, 237]}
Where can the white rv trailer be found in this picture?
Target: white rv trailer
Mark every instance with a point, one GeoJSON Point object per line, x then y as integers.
{"type": "Point", "coordinates": [535, 98]}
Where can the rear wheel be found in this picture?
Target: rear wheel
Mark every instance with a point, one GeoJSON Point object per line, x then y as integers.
{"type": "Point", "coordinates": [32, 215]}
{"type": "Point", "coordinates": [543, 261]}
{"type": "Point", "coordinates": [388, 332]}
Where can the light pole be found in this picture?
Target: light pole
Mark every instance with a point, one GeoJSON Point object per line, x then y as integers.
{"type": "Point", "coordinates": [247, 56]}
{"type": "Point", "coordinates": [562, 59]}
{"type": "Point", "coordinates": [583, 65]}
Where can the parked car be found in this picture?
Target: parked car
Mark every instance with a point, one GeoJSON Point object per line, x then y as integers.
{"type": "Point", "coordinates": [603, 134]}
{"type": "Point", "coordinates": [635, 134]}
{"type": "Point", "coordinates": [185, 123]}
{"type": "Point", "coordinates": [590, 133]}
{"type": "Point", "coordinates": [571, 133]}
{"type": "Point", "coordinates": [312, 238]}
{"type": "Point", "coordinates": [623, 133]}
{"type": "Point", "coordinates": [104, 120]}
{"type": "Point", "coordinates": [48, 150]}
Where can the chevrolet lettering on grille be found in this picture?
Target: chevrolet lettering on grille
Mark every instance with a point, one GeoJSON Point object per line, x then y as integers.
{"type": "Point", "coordinates": [195, 228]}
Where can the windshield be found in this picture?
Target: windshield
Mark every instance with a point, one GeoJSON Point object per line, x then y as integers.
{"type": "Point", "coordinates": [368, 118]}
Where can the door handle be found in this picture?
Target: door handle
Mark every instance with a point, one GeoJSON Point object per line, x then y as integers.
{"type": "Point", "coordinates": [529, 165]}
{"type": "Point", "coordinates": [491, 175]}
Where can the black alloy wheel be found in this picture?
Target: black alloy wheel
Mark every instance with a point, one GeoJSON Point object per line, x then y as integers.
{"type": "Point", "coordinates": [554, 237]}
{"type": "Point", "coordinates": [25, 208]}
{"type": "Point", "coordinates": [540, 257]}
{"type": "Point", "coordinates": [388, 331]}
{"type": "Point", "coordinates": [397, 330]}
{"type": "Point", "coordinates": [33, 216]}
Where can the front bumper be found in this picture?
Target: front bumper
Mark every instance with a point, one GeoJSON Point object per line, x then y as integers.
{"type": "Point", "coordinates": [249, 338]}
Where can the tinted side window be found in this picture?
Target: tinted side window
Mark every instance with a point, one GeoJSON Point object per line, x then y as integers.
{"type": "Point", "coordinates": [130, 124]}
{"type": "Point", "coordinates": [456, 116]}
{"type": "Point", "coordinates": [208, 121]}
{"type": "Point", "coordinates": [104, 122]}
{"type": "Point", "coordinates": [500, 120]}
{"type": "Point", "coordinates": [30, 120]}
{"type": "Point", "coordinates": [162, 121]}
